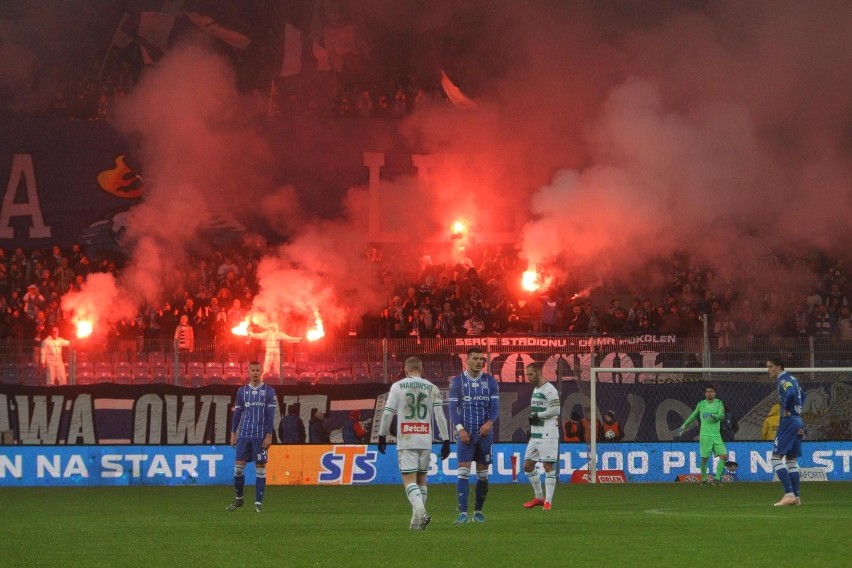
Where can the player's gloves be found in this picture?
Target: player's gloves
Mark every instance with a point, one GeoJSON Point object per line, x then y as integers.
{"type": "Point", "coordinates": [679, 432]}
{"type": "Point", "coordinates": [445, 449]}
{"type": "Point", "coordinates": [533, 417]}
{"type": "Point", "coordinates": [383, 444]}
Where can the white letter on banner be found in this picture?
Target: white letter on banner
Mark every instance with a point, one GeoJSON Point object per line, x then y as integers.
{"type": "Point", "coordinates": [819, 460]}
{"type": "Point", "coordinates": [764, 462]}
{"type": "Point", "coordinates": [110, 466]}
{"type": "Point", "coordinates": [637, 462]}
{"type": "Point", "coordinates": [186, 464]}
{"type": "Point", "coordinates": [159, 465]}
{"type": "Point", "coordinates": [211, 460]}
{"type": "Point", "coordinates": [612, 460]}
{"type": "Point", "coordinates": [44, 464]}
{"type": "Point", "coordinates": [22, 168]}
{"type": "Point", "coordinates": [76, 466]}
{"type": "Point", "coordinates": [672, 460]}
{"type": "Point", "coordinates": [15, 469]}
{"type": "Point", "coordinates": [845, 454]}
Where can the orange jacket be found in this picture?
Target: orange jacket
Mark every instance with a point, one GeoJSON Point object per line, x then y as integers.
{"type": "Point", "coordinates": [573, 431]}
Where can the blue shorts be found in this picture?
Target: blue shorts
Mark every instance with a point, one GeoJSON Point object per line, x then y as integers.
{"type": "Point", "coordinates": [788, 441]}
{"type": "Point", "coordinates": [251, 449]}
{"type": "Point", "coordinates": [478, 450]}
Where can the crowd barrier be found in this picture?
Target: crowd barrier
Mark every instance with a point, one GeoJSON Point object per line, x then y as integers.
{"type": "Point", "coordinates": [364, 465]}
{"type": "Point", "coordinates": [345, 361]}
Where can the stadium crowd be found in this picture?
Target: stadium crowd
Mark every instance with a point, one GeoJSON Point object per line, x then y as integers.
{"type": "Point", "coordinates": [467, 298]}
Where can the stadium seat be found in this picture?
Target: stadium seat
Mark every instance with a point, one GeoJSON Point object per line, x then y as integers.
{"type": "Point", "coordinates": [307, 378]}
{"type": "Point", "coordinates": [104, 377]}
{"type": "Point", "coordinates": [159, 374]}
{"type": "Point", "coordinates": [103, 368]}
{"type": "Point", "coordinates": [31, 374]}
{"type": "Point", "coordinates": [290, 377]}
{"type": "Point", "coordinates": [85, 377]}
{"type": "Point", "coordinates": [215, 372]}
{"type": "Point", "coordinates": [140, 373]}
{"type": "Point", "coordinates": [9, 374]}
{"type": "Point", "coordinates": [344, 378]}
{"type": "Point", "coordinates": [325, 378]}
{"type": "Point", "coordinates": [156, 358]}
{"type": "Point", "coordinates": [361, 375]}
{"type": "Point", "coordinates": [123, 373]}
{"type": "Point", "coordinates": [85, 367]}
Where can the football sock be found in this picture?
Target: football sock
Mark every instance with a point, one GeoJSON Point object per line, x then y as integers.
{"type": "Point", "coordinates": [463, 487]}
{"type": "Point", "coordinates": [424, 492]}
{"type": "Point", "coordinates": [703, 470]}
{"type": "Point", "coordinates": [720, 469]}
{"type": "Point", "coordinates": [793, 470]}
{"type": "Point", "coordinates": [535, 480]}
{"type": "Point", "coordinates": [549, 485]}
{"type": "Point", "coordinates": [481, 489]}
{"type": "Point", "coordinates": [239, 480]}
{"type": "Point", "coordinates": [783, 475]}
{"type": "Point", "coordinates": [412, 491]}
{"type": "Point", "coordinates": [260, 484]}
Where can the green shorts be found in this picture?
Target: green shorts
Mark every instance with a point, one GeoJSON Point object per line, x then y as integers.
{"type": "Point", "coordinates": [712, 445]}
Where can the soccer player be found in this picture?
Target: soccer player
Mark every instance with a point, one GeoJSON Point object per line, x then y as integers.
{"type": "Point", "coordinates": [544, 437]}
{"type": "Point", "coordinates": [415, 402]}
{"type": "Point", "coordinates": [251, 434]}
{"type": "Point", "coordinates": [474, 406]}
{"type": "Point", "coordinates": [710, 412]}
{"type": "Point", "coordinates": [791, 430]}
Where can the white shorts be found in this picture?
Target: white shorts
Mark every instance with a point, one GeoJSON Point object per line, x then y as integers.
{"type": "Point", "coordinates": [544, 450]}
{"type": "Point", "coordinates": [413, 461]}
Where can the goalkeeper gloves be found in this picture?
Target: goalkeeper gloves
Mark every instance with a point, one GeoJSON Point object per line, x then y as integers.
{"type": "Point", "coordinates": [533, 417]}
{"type": "Point", "coordinates": [445, 449]}
{"type": "Point", "coordinates": [383, 444]}
{"type": "Point", "coordinates": [679, 432]}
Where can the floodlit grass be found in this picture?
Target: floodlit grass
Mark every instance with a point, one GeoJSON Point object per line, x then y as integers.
{"type": "Point", "coordinates": [603, 525]}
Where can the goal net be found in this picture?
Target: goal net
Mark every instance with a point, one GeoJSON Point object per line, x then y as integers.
{"type": "Point", "coordinates": [650, 403]}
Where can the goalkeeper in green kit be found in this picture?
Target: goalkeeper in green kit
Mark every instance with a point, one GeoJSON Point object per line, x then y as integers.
{"type": "Point", "coordinates": [711, 412]}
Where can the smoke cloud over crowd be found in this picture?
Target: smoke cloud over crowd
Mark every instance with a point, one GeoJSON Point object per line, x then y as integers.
{"type": "Point", "coordinates": [611, 138]}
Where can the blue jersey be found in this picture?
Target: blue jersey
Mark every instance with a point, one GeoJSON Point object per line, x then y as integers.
{"type": "Point", "coordinates": [254, 412]}
{"type": "Point", "coordinates": [790, 394]}
{"type": "Point", "coordinates": [473, 401]}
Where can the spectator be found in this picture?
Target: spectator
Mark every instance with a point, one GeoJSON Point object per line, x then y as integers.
{"type": "Point", "coordinates": [353, 432]}
{"type": "Point", "coordinates": [822, 324]}
{"type": "Point", "coordinates": [51, 357]}
{"type": "Point", "coordinates": [292, 429]}
{"type": "Point", "coordinates": [474, 325]}
{"type": "Point", "coordinates": [770, 423]}
{"type": "Point", "coordinates": [316, 428]}
{"type": "Point", "coordinates": [573, 428]}
{"type": "Point", "coordinates": [612, 431]}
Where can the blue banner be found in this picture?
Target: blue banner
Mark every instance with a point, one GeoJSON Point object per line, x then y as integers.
{"type": "Point", "coordinates": [213, 465]}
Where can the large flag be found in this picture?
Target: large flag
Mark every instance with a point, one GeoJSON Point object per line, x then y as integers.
{"type": "Point", "coordinates": [153, 35]}
{"type": "Point", "coordinates": [456, 96]}
{"type": "Point", "coordinates": [212, 27]}
{"type": "Point", "coordinates": [340, 42]}
{"type": "Point", "coordinates": [292, 63]}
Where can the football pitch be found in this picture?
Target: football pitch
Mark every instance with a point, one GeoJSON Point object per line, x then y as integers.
{"type": "Point", "coordinates": [600, 525]}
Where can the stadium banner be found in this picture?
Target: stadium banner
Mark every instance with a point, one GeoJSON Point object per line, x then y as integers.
{"type": "Point", "coordinates": [111, 414]}
{"type": "Point", "coordinates": [364, 465]}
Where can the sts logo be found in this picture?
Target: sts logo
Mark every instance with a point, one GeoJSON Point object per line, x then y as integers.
{"type": "Point", "coordinates": [347, 465]}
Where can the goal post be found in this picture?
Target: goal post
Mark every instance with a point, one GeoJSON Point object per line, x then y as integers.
{"type": "Point", "coordinates": [690, 375]}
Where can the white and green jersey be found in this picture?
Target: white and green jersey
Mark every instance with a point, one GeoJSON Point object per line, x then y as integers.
{"type": "Point", "coordinates": [416, 403]}
{"type": "Point", "coordinates": [545, 403]}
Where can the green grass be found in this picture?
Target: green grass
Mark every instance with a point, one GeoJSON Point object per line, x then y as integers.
{"type": "Point", "coordinates": [603, 525]}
